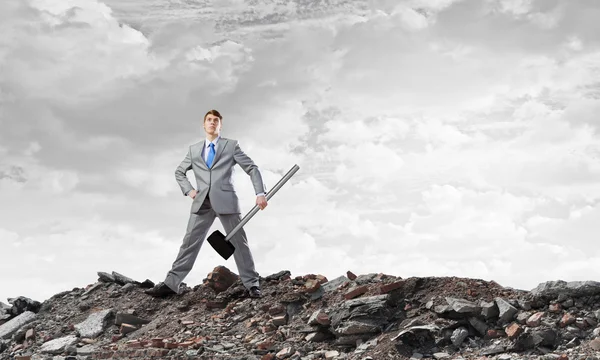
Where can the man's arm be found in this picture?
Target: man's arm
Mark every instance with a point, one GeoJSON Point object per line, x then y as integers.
{"type": "Point", "coordinates": [246, 163]}
{"type": "Point", "coordinates": [180, 172]}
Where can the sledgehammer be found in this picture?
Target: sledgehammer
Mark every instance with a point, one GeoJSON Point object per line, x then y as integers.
{"type": "Point", "coordinates": [221, 243]}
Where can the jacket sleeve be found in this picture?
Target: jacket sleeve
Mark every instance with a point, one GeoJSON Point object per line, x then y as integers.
{"type": "Point", "coordinates": [246, 163]}
{"type": "Point", "coordinates": [180, 174]}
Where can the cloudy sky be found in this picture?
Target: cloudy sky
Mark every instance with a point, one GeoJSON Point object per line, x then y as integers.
{"type": "Point", "coordinates": [434, 137]}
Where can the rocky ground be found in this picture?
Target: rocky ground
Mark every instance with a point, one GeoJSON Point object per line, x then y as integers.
{"type": "Point", "coordinates": [372, 316]}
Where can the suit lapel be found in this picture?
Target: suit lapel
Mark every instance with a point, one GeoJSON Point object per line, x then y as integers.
{"type": "Point", "coordinates": [221, 148]}
{"type": "Point", "coordinates": [198, 153]}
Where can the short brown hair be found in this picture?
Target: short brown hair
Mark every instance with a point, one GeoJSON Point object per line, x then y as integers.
{"type": "Point", "coordinates": [215, 113]}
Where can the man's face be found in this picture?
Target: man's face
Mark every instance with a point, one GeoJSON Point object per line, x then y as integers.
{"type": "Point", "coordinates": [212, 124]}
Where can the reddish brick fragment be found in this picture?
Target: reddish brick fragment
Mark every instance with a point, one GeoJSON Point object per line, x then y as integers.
{"type": "Point", "coordinates": [566, 320]}
{"type": "Point", "coordinates": [350, 275]}
{"type": "Point", "coordinates": [535, 319]}
{"type": "Point", "coordinates": [356, 291]}
{"type": "Point", "coordinates": [323, 319]}
{"type": "Point", "coordinates": [312, 285]}
{"type": "Point", "coordinates": [386, 288]}
{"type": "Point", "coordinates": [513, 331]}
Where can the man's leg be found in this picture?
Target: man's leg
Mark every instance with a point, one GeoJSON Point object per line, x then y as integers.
{"type": "Point", "coordinates": [242, 255]}
{"type": "Point", "coordinates": [197, 229]}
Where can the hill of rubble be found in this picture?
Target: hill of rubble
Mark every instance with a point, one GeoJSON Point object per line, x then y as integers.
{"type": "Point", "coordinates": [366, 317]}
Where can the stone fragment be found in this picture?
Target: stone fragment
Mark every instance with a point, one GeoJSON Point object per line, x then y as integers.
{"type": "Point", "coordinates": [595, 344]}
{"type": "Point", "coordinates": [95, 323]}
{"type": "Point", "coordinates": [122, 317]}
{"type": "Point", "coordinates": [479, 325]}
{"type": "Point", "coordinates": [59, 345]}
{"type": "Point", "coordinates": [351, 275]}
{"type": "Point", "coordinates": [386, 288]}
{"type": "Point", "coordinates": [535, 319]}
{"type": "Point", "coordinates": [513, 331]}
{"type": "Point", "coordinates": [332, 285]}
{"type": "Point", "coordinates": [506, 312]}
{"type": "Point", "coordinates": [22, 304]}
{"type": "Point", "coordinates": [105, 277]}
{"type": "Point", "coordinates": [284, 353]}
{"type": "Point", "coordinates": [220, 279]}
{"type": "Point", "coordinates": [459, 335]}
{"type": "Point", "coordinates": [10, 327]}
{"type": "Point", "coordinates": [122, 279]}
{"type": "Point", "coordinates": [356, 291]}
{"type": "Point", "coordinates": [566, 320]}
{"type": "Point", "coordinates": [463, 306]}
{"type": "Point", "coordinates": [489, 310]}
{"type": "Point", "coordinates": [331, 354]}
{"type": "Point", "coordinates": [552, 289]}
{"type": "Point", "coordinates": [278, 276]}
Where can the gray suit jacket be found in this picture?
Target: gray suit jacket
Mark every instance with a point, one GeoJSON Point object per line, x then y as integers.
{"type": "Point", "coordinates": [217, 181]}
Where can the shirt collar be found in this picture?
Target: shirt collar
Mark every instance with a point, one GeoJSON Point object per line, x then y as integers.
{"type": "Point", "coordinates": [215, 141]}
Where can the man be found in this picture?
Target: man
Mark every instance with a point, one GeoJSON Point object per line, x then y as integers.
{"type": "Point", "coordinates": [213, 161]}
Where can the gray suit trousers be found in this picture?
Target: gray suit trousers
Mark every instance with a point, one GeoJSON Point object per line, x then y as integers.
{"type": "Point", "coordinates": [197, 230]}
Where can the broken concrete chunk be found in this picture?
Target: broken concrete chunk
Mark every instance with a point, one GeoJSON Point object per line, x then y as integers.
{"type": "Point", "coordinates": [10, 327]}
{"type": "Point", "coordinates": [57, 346]}
{"type": "Point", "coordinates": [95, 324]}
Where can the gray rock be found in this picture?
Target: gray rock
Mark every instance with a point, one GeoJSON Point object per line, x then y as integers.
{"type": "Point", "coordinates": [353, 327]}
{"type": "Point", "coordinates": [122, 279]}
{"type": "Point", "coordinates": [368, 300]}
{"type": "Point", "coordinates": [524, 304]}
{"type": "Point", "coordinates": [95, 324]}
{"type": "Point", "coordinates": [480, 326]}
{"type": "Point", "coordinates": [463, 306]}
{"type": "Point", "coordinates": [539, 337]}
{"type": "Point", "coordinates": [489, 310]}
{"type": "Point", "coordinates": [317, 294]}
{"type": "Point", "coordinates": [493, 350]}
{"type": "Point", "coordinates": [92, 288]}
{"type": "Point", "coordinates": [105, 277]}
{"type": "Point", "coordinates": [441, 355]}
{"type": "Point", "coordinates": [86, 350]}
{"type": "Point", "coordinates": [522, 317]}
{"type": "Point", "coordinates": [127, 287]}
{"type": "Point", "coordinates": [459, 335]}
{"type": "Point", "coordinates": [278, 276]}
{"type": "Point", "coordinates": [332, 285]}
{"type": "Point", "coordinates": [317, 337]}
{"type": "Point", "coordinates": [10, 327]}
{"type": "Point", "coordinates": [22, 304]}
{"type": "Point", "coordinates": [121, 318]}
{"type": "Point", "coordinates": [418, 335]}
{"type": "Point", "coordinates": [365, 279]}
{"type": "Point", "coordinates": [57, 346]}
{"type": "Point", "coordinates": [573, 288]}
{"type": "Point", "coordinates": [506, 311]}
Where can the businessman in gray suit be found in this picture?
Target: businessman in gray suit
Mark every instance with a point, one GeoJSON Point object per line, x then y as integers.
{"type": "Point", "coordinates": [213, 161]}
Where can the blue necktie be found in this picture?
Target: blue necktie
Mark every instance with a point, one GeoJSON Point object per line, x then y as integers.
{"type": "Point", "coordinates": [211, 155]}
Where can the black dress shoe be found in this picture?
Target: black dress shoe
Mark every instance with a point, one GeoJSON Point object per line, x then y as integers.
{"type": "Point", "coordinates": [160, 290]}
{"type": "Point", "coordinates": [254, 292]}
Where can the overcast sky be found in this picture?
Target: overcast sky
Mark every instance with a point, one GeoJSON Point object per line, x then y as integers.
{"type": "Point", "coordinates": [434, 137]}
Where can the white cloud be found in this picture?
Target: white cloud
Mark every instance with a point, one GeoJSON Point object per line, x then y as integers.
{"type": "Point", "coordinates": [429, 142]}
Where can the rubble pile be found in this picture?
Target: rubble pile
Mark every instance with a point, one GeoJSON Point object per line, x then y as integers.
{"type": "Point", "coordinates": [308, 317]}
